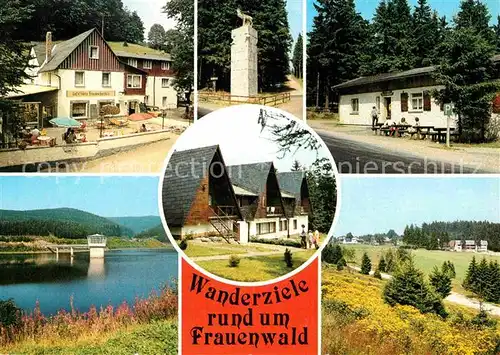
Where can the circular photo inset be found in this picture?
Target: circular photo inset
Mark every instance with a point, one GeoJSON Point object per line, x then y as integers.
{"type": "Point", "coordinates": [249, 193]}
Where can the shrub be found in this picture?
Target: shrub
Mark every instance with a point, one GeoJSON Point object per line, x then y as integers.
{"type": "Point", "coordinates": [183, 244]}
{"type": "Point", "coordinates": [377, 274]}
{"type": "Point", "coordinates": [277, 241]}
{"type": "Point", "coordinates": [366, 264]}
{"type": "Point", "coordinates": [234, 260]}
{"type": "Point", "coordinates": [288, 258]}
{"type": "Point", "coordinates": [340, 267]}
{"type": "Point", "coordinates": [332, 253]}
{"type": "Point", "coordinates": [381, 265]}
{"type": "Point", "coordinates": [9, 313]}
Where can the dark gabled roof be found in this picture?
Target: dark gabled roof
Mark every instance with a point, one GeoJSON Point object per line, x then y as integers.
{"type": "Point", "coordinates": [62, 50]}
{"type": "Point", "coordinates": [251, 177]}
{"type": "Point", "coordinates": [385, 77]}
{"type": "Point", "coordinates": [291, 182]}
{"type": "Point", "coordinates": [364, 80]}
{"type": "Point", "coordinates": [182, 179]}
{"type": "Point", "coordinates": [164, 57]}
{"type": "Point", "coordinates": [39, 48]}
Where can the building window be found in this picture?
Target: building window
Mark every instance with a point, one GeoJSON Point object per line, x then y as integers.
{"type": "Point", "coordinates": [417, 102]}
{"type": "Point", "coordinates": [164, 83]}
{"type": "Point", "coordinates": [132, 62]}
{"type": "Point", "coordinates": [165, 65]}
{"type": "Point", "coordinates": [147, 64]}
{"type": "Point", "coordinates": [106, 80]}
{"type": "Point", "coordinates": [94, 52]}
{"type": "Point", "coordinates": [79, 109]}
{"type": "Point", "coordinates": [295, 224]}
{"type": "Point", "coordinates": [164, 101]}
{"type": "Point", "coordinates": [79, 78]}
{"type": "Point", "coordinates": [266, 228]}
{"type": "Point", "coordinates": [134, 81]}
{"type": "Point", "coordinates": [354, 106]}
{"type": "Point", "coordinates": [283, 225]}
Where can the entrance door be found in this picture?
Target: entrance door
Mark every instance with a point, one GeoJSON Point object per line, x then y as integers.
{"type": "Point", "coordinates": [387, 104]}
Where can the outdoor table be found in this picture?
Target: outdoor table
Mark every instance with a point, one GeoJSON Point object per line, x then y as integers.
{"type": "Point", "coordinates": [423, 131]}
{"type": "Point", "coordinates": [441, 133]}
{"type": "Point", "coordinates": [45, 140]}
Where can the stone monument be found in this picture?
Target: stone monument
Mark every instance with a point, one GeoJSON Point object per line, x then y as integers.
{"type": "Point", "coordinates": [244, 59]}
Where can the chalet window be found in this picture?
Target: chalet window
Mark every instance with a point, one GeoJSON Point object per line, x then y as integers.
{"type": "Point", "coordinates": [134, 81]}
{"type": "Point", "coordinates": [165, 65]}
{"type": "Point", "coordinates": [427, 101]}
{"type": "Point", "coordinates": [404, 102]}
{"type": "Point", "coordinates": [132, 62]}
{"type": "Point", "coordinates": [354, 106]}
{"type": "Point", "coordinates": [147, 64]}
{"type": "Point", "coordinates": [79, 109]}
{"type": "Point", "coordinates": [94, 52]}
{"type": "Point", "coordinates": [106, 80]}
{"type": "Point", "coordinates": [417, 101]}
{"type": "Point", "coordinates": [294, 224]}
{"type": "Point", "coordinates": [164, 83]}
{"type": "Point", "coordinates": [266, 228]}
{"type": "Point", "coordinates": [164, 101]}
{"type": "Point", "coordinates": [283, 225]}
{"type": "Point", "coordinates": [79, 78]}
{"type": "Point", "coordinates": [377, 103]}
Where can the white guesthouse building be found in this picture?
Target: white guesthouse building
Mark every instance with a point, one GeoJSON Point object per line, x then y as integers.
{"type": "Point", "coordinates": [76, 77]}
{"type": "Point", "coordinates": [395, 95]}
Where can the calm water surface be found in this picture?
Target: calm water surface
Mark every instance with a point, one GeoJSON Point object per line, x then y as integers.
{"type": "Point", "coordinates": [121, 276]}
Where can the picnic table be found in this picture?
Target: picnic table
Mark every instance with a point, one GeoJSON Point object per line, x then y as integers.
{"type": "Point", "coordinates": [398, 129]}
{"type": "Point", "coordinates": [423, 131]}
{"type": "Point", "coordinates": [440, 135]}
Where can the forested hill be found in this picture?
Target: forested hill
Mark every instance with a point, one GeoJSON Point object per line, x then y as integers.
{"type": "Point", "coordinates": [157, 232]}
{"type": "Point", "coordinates": [61, 222]}
{"type": "Point", "coordinates": [137, 224]}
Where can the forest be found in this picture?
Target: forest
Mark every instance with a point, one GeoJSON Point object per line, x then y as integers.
{"type": "Point", "coordinates": [343, 45]}
{"type": "Point", "coordinates": [68, 18]}
{"type": "Point", "coordinates": [61, 222]}
{"type": "Point", "coordinates": [216, 19]}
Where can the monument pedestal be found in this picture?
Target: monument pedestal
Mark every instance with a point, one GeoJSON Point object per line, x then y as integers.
{"type": "Point", "coordinates": [244, 62]}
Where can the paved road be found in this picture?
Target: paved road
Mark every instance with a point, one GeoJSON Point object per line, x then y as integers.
{"type": "Point", "coordinates": [354, 157]}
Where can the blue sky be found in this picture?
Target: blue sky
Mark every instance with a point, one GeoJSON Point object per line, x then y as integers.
{"type": "Point", "coordinates": [294, 9]}
{"type": "Point", "coordinates": [446, 8]}
{"type": "Point", "coordinates": [107, 196]}
{"type": "Point", "coordinates": [377, 204]}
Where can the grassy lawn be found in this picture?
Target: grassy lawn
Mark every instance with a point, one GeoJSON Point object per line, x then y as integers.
{"type": "Point", "coordinates": [259, 268]}
{"type": "Point", "coordinates": [156, 338]}
{"type": "Point", "coordinates": [427, 259]}
{"type": "Point", "coordinates": [333, 118]}
{"type": "Point", "coordinates": [208, 249]}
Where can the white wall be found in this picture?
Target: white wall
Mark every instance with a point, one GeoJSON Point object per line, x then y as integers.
{"type": "Point", "coordinates": [243, 232]}
{"type": "Point", "coordinates": [93, 81]}
{"type": "Point", "coordinates": [434, 117]}
{"type": "Point", "coordinates": [197, 230]}
{"type": "Point", "coordinates": [156, 92]}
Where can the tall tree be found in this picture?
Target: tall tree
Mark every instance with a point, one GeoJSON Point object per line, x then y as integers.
{"type": "Point", "coordinates": [466, 72]}
{"type": "Point", "coordinates": [496, 28]}
{"type": "Point", "coordinates": [14, 60]}
{"type": "Point", "coordinates": [366, 264]}
{"type": "Point", "coordinates": [475, 15]}
{"type": "Point", "coordinates": [157, 37]}
{"type": "Point", "coordinates": [425, 33]}
{"type": "Point", "coordinates": [335, 43]}
{"type": "Point", "coordinates": [441, 281]}
{"type": "Point", "coordinates": [297, 59]}
{"type": "Point", "coordinates": [183, 48]}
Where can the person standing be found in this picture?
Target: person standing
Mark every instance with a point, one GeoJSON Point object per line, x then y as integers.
{"type": "Point", "coordinates": [374, 117]}
{"type": "Point", "coordinates": [303, 236]}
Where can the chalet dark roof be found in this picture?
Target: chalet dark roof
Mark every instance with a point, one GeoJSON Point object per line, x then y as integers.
{"type": "Point", "coordinates": [39, 48]}
{"type": "Point", "coordinates": [62, 50]}
{"type": "Point", "coordinates": [148, 56]}
{"type": "Point", "coordinates": [251, 177]}
{"type": "Point", "coordinates": [291, 182]}
{"type": "Point", "coordinates": [364, 80]}
{"type": "Point", "coordinates": [180, 186]}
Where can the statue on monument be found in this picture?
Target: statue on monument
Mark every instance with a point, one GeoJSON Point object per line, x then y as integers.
{"type": "Point", "coordinates": [247, 19]}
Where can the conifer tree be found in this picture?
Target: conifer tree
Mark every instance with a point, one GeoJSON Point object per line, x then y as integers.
{"type": "Point", "coordinates": [366, 264]}
{"type": "Point", "coordinates": [381, 264]}
{"type": "Point", "coordinates": [441, 281]}
{"type": "Point", "coordinates": [297, 57]}
{"type": "Point", "coordinates": [470, 280]}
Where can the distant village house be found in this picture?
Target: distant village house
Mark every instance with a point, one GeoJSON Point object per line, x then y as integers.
{"type": "Point", "coordinates": [469, 246]}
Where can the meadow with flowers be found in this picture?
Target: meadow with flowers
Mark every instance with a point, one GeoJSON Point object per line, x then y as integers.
{"type": "Point", "coordinates": [356, 320]}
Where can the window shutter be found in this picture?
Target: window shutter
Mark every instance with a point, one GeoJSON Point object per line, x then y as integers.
{"type": "Point", "coordinates": [404, 102]}
{"type": "Point", "coordinates": [427, 101]}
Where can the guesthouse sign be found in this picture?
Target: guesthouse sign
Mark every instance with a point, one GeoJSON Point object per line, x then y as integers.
{"type": "Point", "coordinates": [89, 93]}
{"type": "Point", "coordinates": [387, 93]}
